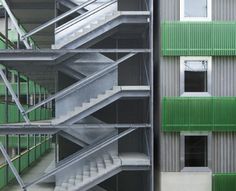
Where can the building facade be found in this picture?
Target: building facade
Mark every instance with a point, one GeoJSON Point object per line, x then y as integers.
{"type": "Point", "coordinates": [91, 102]}
{"type": "Point", "coordinates": [197, 95]}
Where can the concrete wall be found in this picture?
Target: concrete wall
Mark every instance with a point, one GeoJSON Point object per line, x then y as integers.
{"type": "Point", "coordinates": [186, 181]}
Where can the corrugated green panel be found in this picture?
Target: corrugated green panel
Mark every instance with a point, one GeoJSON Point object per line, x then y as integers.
{"type": "Point", "coordinates": [43, 147]}
{"type": "Point", "coordinates": [13, 116]}
{"type": "Point", "coordinates": [199, 114]}
{"type": "Point", "coordinates": [2, 113]}
{"type": "Point", "coordinates": [24, 141]}
{"type": "Point", "coordinates": [3, 181]}
{"type": "Point", "coordinates": [32, 155]}
{"type": "Point", "coordinates": [198, 38]}
{"type": "Point", "coordinates": [24, 161]}
{"type": "Point", "coordinates": [32, 115]}
{"type": "Point", "coordinates": [43, 113]}
{"type": "Point", "coordinates": [13, 141]}
{"type": "Point", "coordinates": [224, 182]}
{"type": "Point", "coordinates": [38, 114]}
{"type": "Point", "coordinates": [38, 152]}
{"type": "Point", "coordinates": [2, 89]}
{"type": "Point", "coordinates": [31, 87]}
{"type": "Point", "coordinates": [23, 88]}
{"type": "Point", "coordinates": [38, 88]}
{"type": "Point", "coordinates": [31, 141]}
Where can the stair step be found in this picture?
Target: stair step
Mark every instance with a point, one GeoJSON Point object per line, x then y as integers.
{"type": "Point", "coordinates": [87, 105]}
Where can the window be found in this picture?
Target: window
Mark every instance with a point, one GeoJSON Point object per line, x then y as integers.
{"type": "Point", "coordinates": [195, 10]}
{"type": "Point", "coordinates": [195, 151]}
{"type": "Point", "coordinates": [195, 76]}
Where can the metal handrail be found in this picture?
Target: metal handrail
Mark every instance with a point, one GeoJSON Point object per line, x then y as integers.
{"type": "Point", "coordinates": [55, 20]}
{"type": "Point", "coordinates": [15, 23]}
{"type": "Point", "coordinates": [95, 148]}
{"type": "Point", "coordinates": [84, 16]}
{"type": "Point", "coordinates": [81, 83]}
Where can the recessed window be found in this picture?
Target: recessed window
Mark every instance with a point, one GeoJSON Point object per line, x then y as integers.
{"type": "Point", "coordinates": [196, 151]}
{"type": "Point", "coordinates": [195, 76]}
{"type": "Point", "coordinates": [195, 10]}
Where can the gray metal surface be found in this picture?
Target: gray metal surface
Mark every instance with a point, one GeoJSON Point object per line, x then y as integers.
{"type": "Point", "coordinates": [170, 76]}
{"type": "Point", "coordinates": [74, 114]}
{"type": "Point", "coordinates": [170, 152]}
{"type": "Point", "coordinates": [223, 76]}
{"type": "Point", "coordinates": [223, 152]}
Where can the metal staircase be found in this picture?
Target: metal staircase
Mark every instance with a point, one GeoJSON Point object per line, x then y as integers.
{"type": "Point", "coordinates": [102, 100]}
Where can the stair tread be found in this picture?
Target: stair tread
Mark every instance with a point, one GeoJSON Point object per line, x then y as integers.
{"type": "Point", "coordinates": [87, 105]}
{"type": "Point", "coordinates": [67, 185]}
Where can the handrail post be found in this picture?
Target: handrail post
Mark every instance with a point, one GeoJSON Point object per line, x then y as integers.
{"type": "Point", "coordinates": [15, 23]}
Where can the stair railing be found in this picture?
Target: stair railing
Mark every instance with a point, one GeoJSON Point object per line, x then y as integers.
{"type": "Point", "coordinates": [56, 19]}
{"type": "Point", "coordinates": [86, 153]}
{"type": "Point", "coordinates": [82, 83]}
{"type": "Point", "coordinates": [84, 16]}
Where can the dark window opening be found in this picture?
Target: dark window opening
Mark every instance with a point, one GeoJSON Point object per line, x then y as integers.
{"type": "Point", "coordinates": [196, 151]}
{"type": "Point", "coordinates": [195, 81]}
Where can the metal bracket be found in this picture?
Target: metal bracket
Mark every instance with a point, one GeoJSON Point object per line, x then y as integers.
{"type": "Point", "coordinates": [13, 169]}
{"type": "Point", "coordinates": [9, 87]}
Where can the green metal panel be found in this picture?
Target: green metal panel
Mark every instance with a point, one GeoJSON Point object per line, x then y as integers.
{"type": "Point", "coordinates": [32, 155]}
{"type": "Point", "coordinates": [24, 161]}
{"type": "Point", "coordinates": [199, 114]}
{"type": "Point", "coordinates": [38, 151]}
{"type": "Point", "coordinates": [32, 115]}
{"type": "Point", "coordinates": [38, 114]}
{"type": "Point", "coordinates": [2, 89]}
{"type": "Point", "coordinates": [23, 88]}
{"type": "Point", "coordinates": [31, 87]}
{"type": "Point", "coordinates": [3, 180]}
{"type": "Point", "coordinates": [224, 182]}
{"type": "Point", "coordinates": [198, 38]}
{"type": "Point", "coordinates": [13, 116]}
{"type": "Point", "coordinates": [2, 113]}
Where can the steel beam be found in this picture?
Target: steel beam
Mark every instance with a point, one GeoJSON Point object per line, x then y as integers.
{"type": "Point", "coordinates": [53, 129]}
